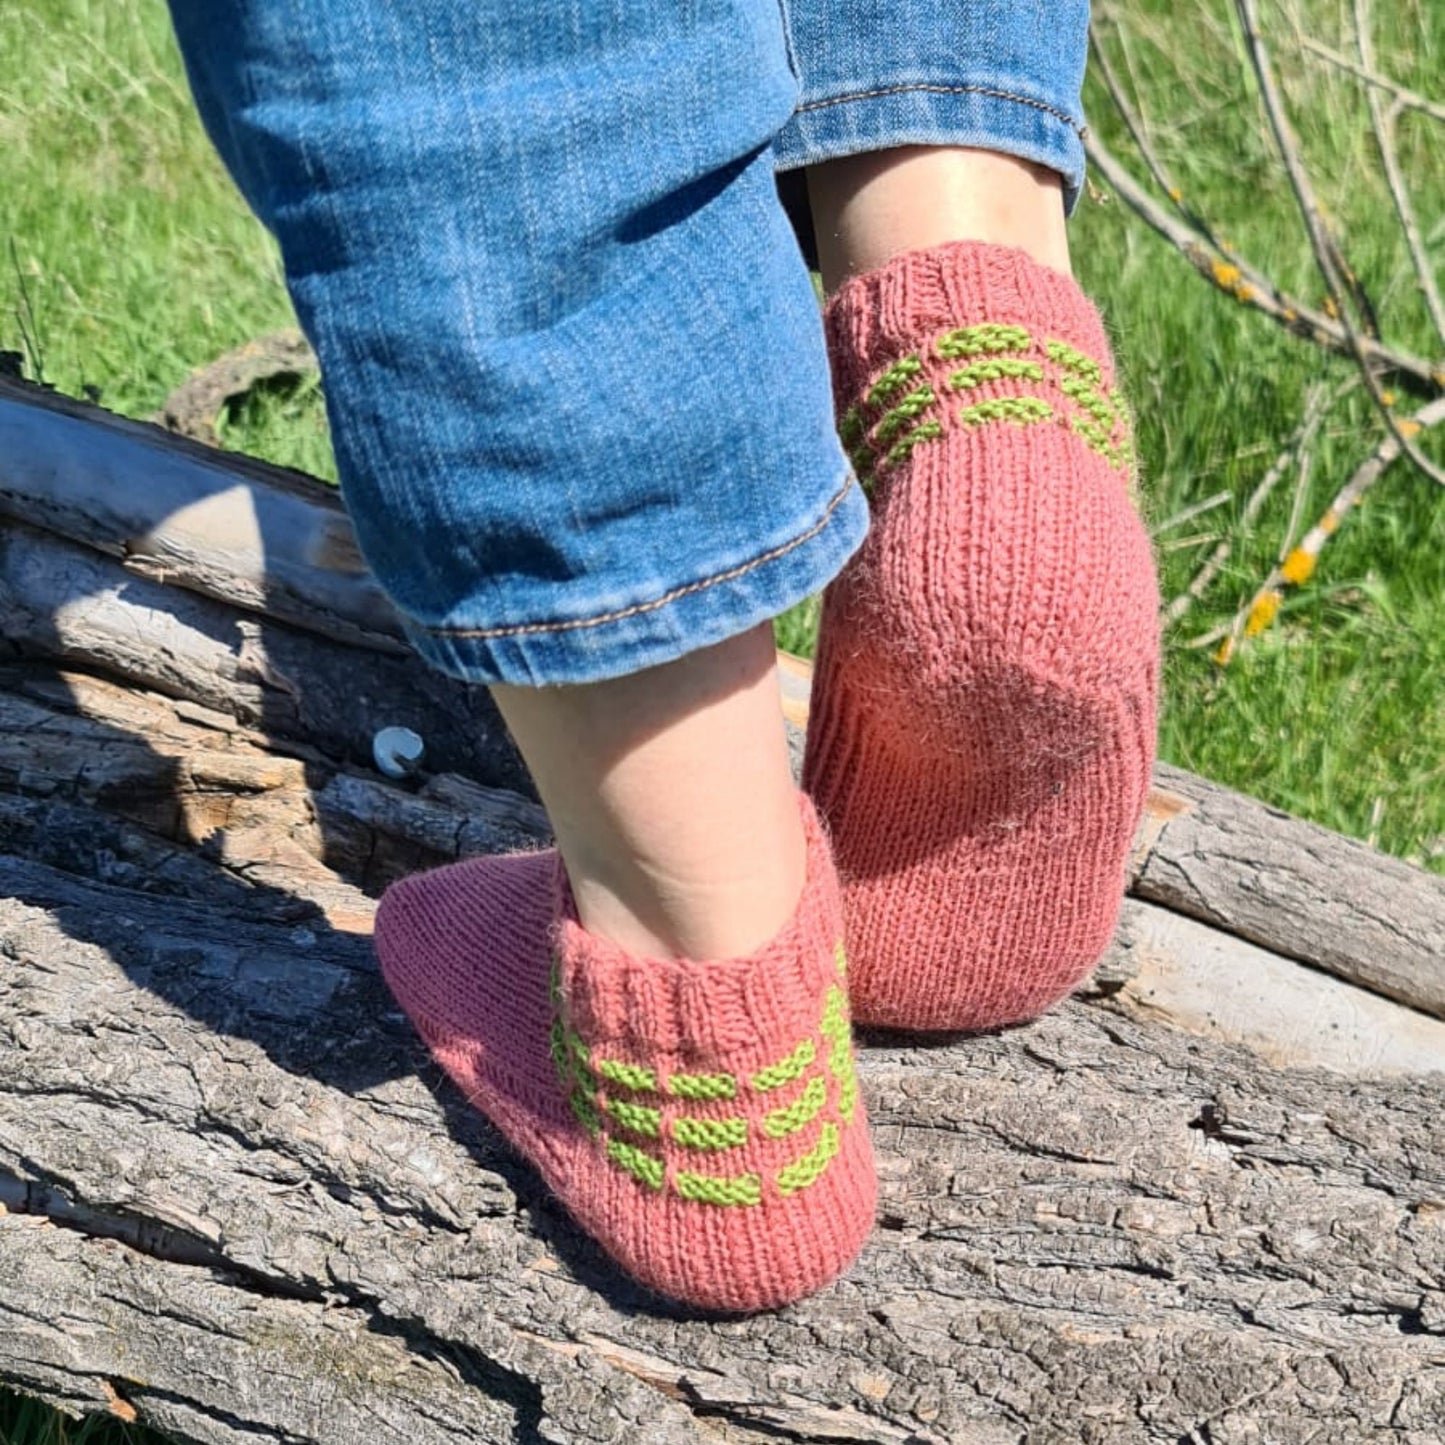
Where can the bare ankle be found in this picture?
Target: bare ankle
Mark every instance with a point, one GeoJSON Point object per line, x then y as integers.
{"type": "Point", "coordinates": [672, 800]}
{"type": "Point", "coordinates": [869, 208]}
{"type": "Point", "coordinates": [655, 910]}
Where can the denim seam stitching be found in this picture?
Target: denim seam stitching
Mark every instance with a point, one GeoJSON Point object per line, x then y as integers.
{"type": "Point", "coordinates": [985, 90]}
{"type": "Point", "coordinates": [521, 628]}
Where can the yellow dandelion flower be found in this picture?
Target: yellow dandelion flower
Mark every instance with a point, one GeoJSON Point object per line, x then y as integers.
{"type": "Point", "coordinates": [1224, 652]}
{"type": "Point", "coordinates": [1225, 275]}
{"type": "Point", "coordinates": [1409, 428]}
{"type": "Point", "coordinates": [1176, 195]}
{"type": "Point", "coordinates": [1388, 397]}
{"type": "Point", "coordinates": [1244, 291]}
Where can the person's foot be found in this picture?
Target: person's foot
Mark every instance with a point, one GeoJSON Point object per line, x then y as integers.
{"type": "Point", "coordinates": [701, 1120]}
{"type": "Point", "coordinates": [983, 724]}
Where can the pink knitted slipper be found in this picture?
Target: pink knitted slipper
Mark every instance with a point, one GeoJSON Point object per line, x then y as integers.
{"type": "Point", "coordinates": [983, 722]}
{"type": "Point", "coordinates": [701, 1120]}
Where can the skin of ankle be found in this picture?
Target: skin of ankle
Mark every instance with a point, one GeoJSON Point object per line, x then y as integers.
{"type": "Point", "coordinates": [671, 797]}
{"type": "Point", "coordinates": [869, 208]}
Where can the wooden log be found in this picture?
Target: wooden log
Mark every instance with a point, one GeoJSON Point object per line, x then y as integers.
{"type": "Point", "coordinates": [257, 537]}
{"type": "Point", "coordinates": [326, 835]}
{"type": "Point", "coordinates": [90, 760]}
{"type": "Point", "coordinates": [63, 601]}
{"type": "Point", "coordinates": [1169, 968]}
{"type": "Point", "coordinates": [160, 1319]}
{"type": "Point", "coordinates": [1294, 888]}
{"type": "Point", "coordinates": [1299, 889]}
{"type": "Point", "coordinates": [236, 1200]}
{"type": "Point", "coordinates": [242, 1204]}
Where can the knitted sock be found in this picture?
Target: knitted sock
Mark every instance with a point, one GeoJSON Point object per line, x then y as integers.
{"type": "Point", "coordinates": [983, 722]}
{"type": "Point", "coordinates": [701, 1120]}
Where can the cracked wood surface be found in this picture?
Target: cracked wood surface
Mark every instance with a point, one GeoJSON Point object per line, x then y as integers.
{"type": "Point", "coordinates": [214, 1126]}
{"type": "Point", "coordinates": [82, 756]}
{"type": "Point", "coordinates": [254, 1210]}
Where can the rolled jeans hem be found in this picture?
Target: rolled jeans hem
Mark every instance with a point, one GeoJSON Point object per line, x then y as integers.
{"type": "Point", "coordinates": [648, 633]}
{"type": "Point", "coordinates": [942, 114]}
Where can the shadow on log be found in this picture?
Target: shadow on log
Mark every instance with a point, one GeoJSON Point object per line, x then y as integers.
{"type": "Point", "coordinates": [240, 1204]}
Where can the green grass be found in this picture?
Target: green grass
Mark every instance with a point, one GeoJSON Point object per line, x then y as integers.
{"type": "Point", "coordinates": [27, 1422]}
{"type": "Point", "coordinates": [135, 253]}
{"type": "Point", "coordinates": [126, 259]}
{"type": "Point", "coordinates": [1333, 712]}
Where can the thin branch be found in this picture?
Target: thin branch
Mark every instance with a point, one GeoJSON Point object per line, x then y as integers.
{"type": "Point", "coordinates": [1318, 404]}
{"type": "Point", "coordinates": [1237, 277]}
{"type": "Point", "coordinates": [1383, 121]}
{"type": "Point", "coordinates": [1297, 502]}
{"type": "Point", "coordinates": [1143, 143]}
{"type": "Point", "coordinates": [1299, 565]}
{"type": "Point", "coordinates": [1410, 99]}
{"type": "Point", "coordinates": [1336, 272]}
{"type": "Point", "coordinates": [1187, 514]}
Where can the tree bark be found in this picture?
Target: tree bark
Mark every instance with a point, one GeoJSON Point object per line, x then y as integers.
{"type": "Point", "coordinates": [1306, 892]}
{"type": "Point", "coordinates": [245, 1205]}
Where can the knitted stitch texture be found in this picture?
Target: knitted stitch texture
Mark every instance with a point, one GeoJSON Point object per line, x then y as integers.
{"type": "Point", "coordinates": [701, 1120]}
{"type": "Point", "coordinates": [983, 722]}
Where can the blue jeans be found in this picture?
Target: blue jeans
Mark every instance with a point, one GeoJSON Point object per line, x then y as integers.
{"type": "Point", "coordinates": [572, 355]}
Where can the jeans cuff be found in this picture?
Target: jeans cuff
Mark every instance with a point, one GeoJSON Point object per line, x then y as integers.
{"type": "Point", "coordinates": [977, 115]}
{"type": "Point", "coordinates": [645, 634]}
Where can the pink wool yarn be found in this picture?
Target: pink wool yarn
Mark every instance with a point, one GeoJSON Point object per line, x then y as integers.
{"type": "Point", "coordinates": [984, 712]}
{"type": "Point", "coordinates": [701, 1120]}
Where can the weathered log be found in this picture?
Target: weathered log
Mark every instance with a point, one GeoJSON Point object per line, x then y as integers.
{"type": "Point", "coordinates": [208, 1112]}
{"type": "Point", "coordinates": [1299, 889]}
{"type": "Point", "coordinates": [71, 745]}
{"type": "Point", "coordinates": [302, 824]}
{"type": "Point", "coordinates": [242, 1203]}
{"type": "Point", "coordinates": [1091, 1229]}
{"type": "Point", "coordinates": [195, 407]}
{"type": "Point", "coordinates": [64, 601]}
{"type": "Point", "coordinates": [257, 537]}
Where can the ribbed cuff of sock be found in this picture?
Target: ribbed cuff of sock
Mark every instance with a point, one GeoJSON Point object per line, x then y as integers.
{"type": "Point", "coordinates": [874, 319]}
{"type": "Point", "coordinates": [689, 1009]}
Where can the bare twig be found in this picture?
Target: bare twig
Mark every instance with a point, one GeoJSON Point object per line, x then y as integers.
{"type": "Point", "coordinates": [1143, 143]}
{"type": "Point", "coordinates": [1187, 514]}
{"type": "Point", "coordinates": [1382, 118]}
{"type": "Point", "coordinates": [1297, 502]}
{"type": "Point", "coordinates": [1335, 270]}
{"type": "Point", "coordinates": [1300, 563]}
{"type": "Point", "coordinates": [1318, 405]}
{"type": "Point", "coordinates": [1410, 99]}
{"type": "Point", "coordinates": [1234, 275]}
